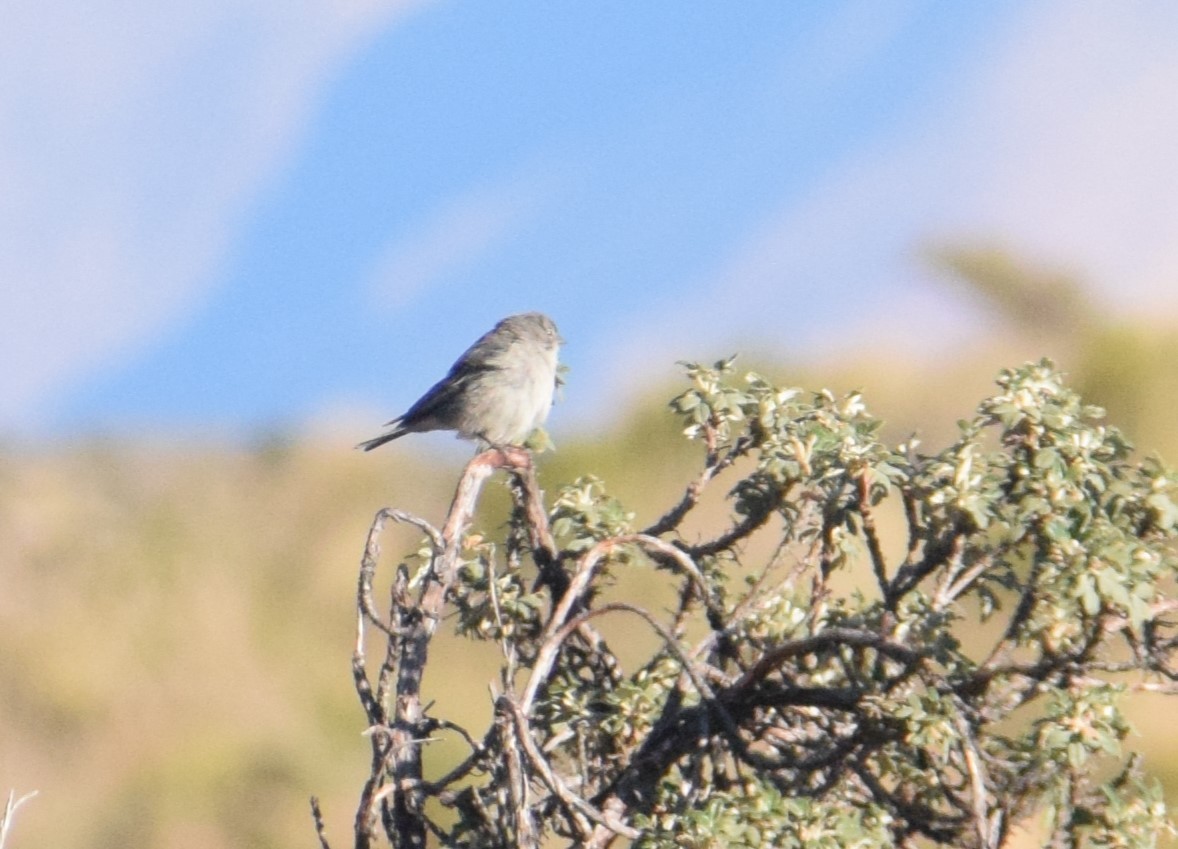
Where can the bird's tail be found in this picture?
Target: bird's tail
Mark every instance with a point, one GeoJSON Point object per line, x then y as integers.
{"type": "Point", "coordinates": [378, 441]}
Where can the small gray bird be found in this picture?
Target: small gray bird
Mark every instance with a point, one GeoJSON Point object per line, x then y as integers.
{"type": "Point", "coordinates": [498, 392]}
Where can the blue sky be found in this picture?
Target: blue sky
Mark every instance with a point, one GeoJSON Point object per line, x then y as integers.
{"type": "Point", "coordinates": [249, 216]}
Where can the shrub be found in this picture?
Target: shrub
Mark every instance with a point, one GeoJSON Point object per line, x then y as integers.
{"type": "Point", "coordinates": [973, 678]}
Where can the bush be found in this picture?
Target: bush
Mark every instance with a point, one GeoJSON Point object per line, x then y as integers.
{"type": "Point", "coordinates": [972, 679]}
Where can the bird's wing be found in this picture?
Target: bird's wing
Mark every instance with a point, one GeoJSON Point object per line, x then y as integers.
{"type": "Point", "coordinates": [485, 354]}
{"type": "Point", "coordinates": [439, 397]}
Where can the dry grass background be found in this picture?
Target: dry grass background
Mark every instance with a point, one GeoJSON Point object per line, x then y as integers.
{"type": "Point", "coordinates": [176, 621]}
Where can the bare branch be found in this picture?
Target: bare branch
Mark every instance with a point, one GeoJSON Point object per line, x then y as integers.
{"type": "Point", "coordinates": [937, 553]}
{"type": "Point", "coordinates": [316, 815]}
{"type": "Point", "coordinates": [371, 558]}
{"type": "Point", "coordinates": [579, 809]}
{"type": "Point", "coordinates": [517, 788]}
{"type": "Point", "coordinates": [552, 637]}
{"type": "Point", "coordinates": [742, 529]}
{"type": "Point", "coordinates": [417, 628]}
{"type": "Point", "coordinates": [979, 790]}
{"type": "Point", "coordinates": [555, 632]}
{"type": "Point", "coordinates": [873, 546]}
{"type": "Point", "coordinates": [528, 496]}
{"type": "Point", "coordinates": [825, 640]}
{"type": "Point", "coordinates": [10, 808]}
{"type": "Point", "coordinates": [714, 464]}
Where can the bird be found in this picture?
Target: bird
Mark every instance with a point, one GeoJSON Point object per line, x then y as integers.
{"type": "Point", "coordinates": [497, 392]}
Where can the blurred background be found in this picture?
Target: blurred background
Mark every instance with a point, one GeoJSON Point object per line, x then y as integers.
{"type": "Point", "coordinates": [237, 237]}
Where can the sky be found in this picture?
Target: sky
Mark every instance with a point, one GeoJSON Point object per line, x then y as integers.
{"type": "Point", "coordinates": [248, 216]}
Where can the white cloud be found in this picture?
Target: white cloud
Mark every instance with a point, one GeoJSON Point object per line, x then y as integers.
{"type": "Point", "coordinates": [135, 139]}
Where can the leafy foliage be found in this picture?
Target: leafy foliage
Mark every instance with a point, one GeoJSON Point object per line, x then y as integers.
{"type": "Point", "coordinates": [973, 678]}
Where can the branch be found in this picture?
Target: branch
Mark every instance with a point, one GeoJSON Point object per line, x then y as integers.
{"type": "Point", "coordinates": [477, 752]}
{"type": "Point", "coordinates": [554, 633]}
{"type": "Point", "coordinates": [558, 629]}
{"type": "Point", "coordinates": [916, 529]}
{"type": "Point", "coordinates": [580, 810]}
{"type": "Point", "coordinates": [10, 808]}
{"type": "Point", "coordinates": [936, 554]}
{"type": "Point", "coordinates": [371, 558]}
{"type": "Point", "coordinates": [680, 557]}
{"type": "Point", "coordinates": [419, 626]}
{"type": "Point", "coordinates": [979, 791]}
{"type": "Point", "coordinates": [714, 464]}
{"type": "Point", "coordinates": [828, 639]}
{"type": "Point", "coordinates": [530, 499]}
{"type": "Point", "coordinates": [678, 734]}
{"type": "Point", "coordinates": [518, 792]}
{"type": "Point", "coordinates": [869, 532]}
{"type": "Point", "coordinates": [316, 815]}
{"type": "Point", "coordinates": [748, 525]}
{"type": "Point", "coordinates": [1024, 608]}
{"type": "Point", "coordinates": [914, 817]}
{"type": "Point", "coordinates": [375, 704]}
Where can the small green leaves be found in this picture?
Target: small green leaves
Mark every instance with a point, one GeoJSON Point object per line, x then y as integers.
{"type": "Point", "coordinates": [539, 441]}
{"type": "Point", "coordinates": [1081, 724]}
{"type": "Point", "coordinates": [494, 606]}
{"type": "Point", "coordinates": [583, 515]}
{"type": "Point", "coordinates": [759, 816]}
{"type": "Point", "coordinates": [710, 404]}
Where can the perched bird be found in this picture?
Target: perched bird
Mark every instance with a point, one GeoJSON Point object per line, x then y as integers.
{"type": "Point", "coordinates": [498, 392]}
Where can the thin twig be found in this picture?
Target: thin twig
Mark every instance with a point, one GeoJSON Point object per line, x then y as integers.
{"type": "Point", "coordinates": [674, 553]}
{"type": "Point", "coordinates": [958, 581]}
{"type": "Point", "coordinates": [555, 783]}
{"type": "Point", "coordinates": [505, 645]}
{"type": "Point", "coordinates": [371, 558]}
{"type": "Point", "coordinates": [1022, 612]}
{"type": "Point", "coordinates": [872, 536]}
{"type": "Point", "coordinates": [478, 752]}
{"type": "Point", "coordinates": [519, 809]}
{"type": "Point", "coordinates": [316, 814]}
{"type": "Point", "coordinates": [823, 641]}
{"type": "Point", "coordinates": [745, 527]}
{"type": "Point", "coordinates": [555, 633]}
{"type": "Point", "coordinates": [686, 663]}
{"type": "Point", "coordinates": [916, 529]}
{"type": "Point", "coordinates": [10, 808]}
{"type": "Point", "coordinates": [713, 466]}
{"type": "Point", "coordinates": [979, 791]}
{"type": "Point", "coordinates": [936, 554]}
{"type": "Point", "coordinates": [549, 645]}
